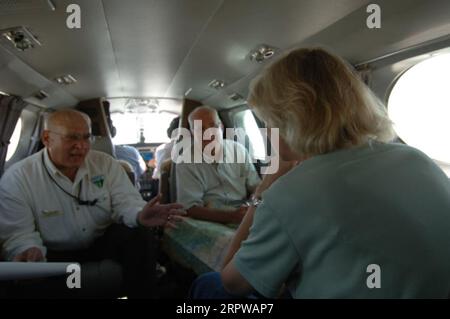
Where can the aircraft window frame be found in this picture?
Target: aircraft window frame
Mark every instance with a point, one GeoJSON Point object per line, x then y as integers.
{"type": "Point", "coordinates": [14, 140]}
{"type": "Point", "coordinates": [427, 139]}
{"type": "Point", "coordinates": [242, 119]}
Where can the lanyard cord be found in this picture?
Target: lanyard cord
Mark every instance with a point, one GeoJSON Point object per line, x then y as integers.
{"type": "Point", "coordinates": [78, 199]}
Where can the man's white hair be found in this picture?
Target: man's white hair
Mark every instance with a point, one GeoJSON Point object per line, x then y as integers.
{"type": "Point", "coordinates": [65, 115]}
{"type": "Point", "coordinates": [203, 108]}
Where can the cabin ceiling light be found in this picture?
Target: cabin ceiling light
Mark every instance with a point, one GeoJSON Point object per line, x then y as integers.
{"type": "Point", "coordinates": [261, 53]}
{"type": "Point", "coordinates": [51, 5]}
{"type": "Point", "coordinates": [65, 79]}
{"type": "Point", "coordinates": [217, 84]}
{"type": "Point", "coordinates": [20, 38]}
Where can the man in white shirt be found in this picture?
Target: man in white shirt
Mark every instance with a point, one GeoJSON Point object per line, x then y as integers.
{"type": "Point", "coordinates": [164, 151]}
{"type": "Point", "coordinates": [215, 189]}
{"type": "Point", "coordinates": [69, 203]}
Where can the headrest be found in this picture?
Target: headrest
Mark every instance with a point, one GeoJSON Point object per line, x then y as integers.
{"type": "Point", "coordinates": [103, 144]}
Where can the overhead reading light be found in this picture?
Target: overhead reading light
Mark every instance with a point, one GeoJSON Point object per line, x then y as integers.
{"type": "Point", "coordinates": [41, 95]}
{"type": "Point", "coordinates": [216, 84]}
{"type": "Point", "coordinates": [65, 79]}
{"type": "Point", "coordinates": [261, 53]}
{"type": "Point", "coordinates": [20, 38]}
{"type": "Point", "coordinates": [235, 97]}
{"type": "Point", "coordinates": [51, 5]}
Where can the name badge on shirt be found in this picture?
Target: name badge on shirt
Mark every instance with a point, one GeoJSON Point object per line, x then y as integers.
{"type": "Point", "coordinates": [98, 180]}
{"type": "Point", "coordinates": [51, 213]}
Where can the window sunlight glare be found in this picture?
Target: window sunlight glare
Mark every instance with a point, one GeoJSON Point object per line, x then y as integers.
{"type": "Point", "coordinates": [14, 142]}
{"type": "Point", "coordinates": [419, 106]}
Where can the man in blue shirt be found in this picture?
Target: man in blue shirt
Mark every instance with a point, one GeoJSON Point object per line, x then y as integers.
{"type": "Point", "coordinates": [131, 155]}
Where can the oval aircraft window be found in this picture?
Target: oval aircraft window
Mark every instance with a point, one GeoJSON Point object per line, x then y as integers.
{"type": "Point", "coordinates": [14, 142]}
{"type": "Point", "coordinates": [246, 120]}
{"type": "Point", "coordinates": [257, 141]}
{"type": "Point", "coordinates": [419, 106]}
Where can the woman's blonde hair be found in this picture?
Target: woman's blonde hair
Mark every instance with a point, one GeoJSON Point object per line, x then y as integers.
{"type": "Point", "coordinates": [318, 103]}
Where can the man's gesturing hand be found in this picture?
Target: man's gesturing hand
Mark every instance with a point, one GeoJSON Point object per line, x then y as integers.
{"type": "Point", "coordinates": [154, 214]}
{"type": "Point", "coordinates": [31, 254]}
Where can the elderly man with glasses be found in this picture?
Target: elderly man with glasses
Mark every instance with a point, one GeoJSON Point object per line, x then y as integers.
{"type": "Point", "coordinates": [215, 188]}
{"type": "Point", "coordinates": [70, 203]}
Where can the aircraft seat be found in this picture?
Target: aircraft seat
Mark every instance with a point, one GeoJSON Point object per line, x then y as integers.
{"type": "Point", "coordinates": [104, 144]}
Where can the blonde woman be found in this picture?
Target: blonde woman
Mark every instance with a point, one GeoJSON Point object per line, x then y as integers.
{"type": "Point", "coordinates": [359, 217]}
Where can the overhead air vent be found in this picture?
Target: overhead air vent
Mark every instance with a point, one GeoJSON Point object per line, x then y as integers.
{"type": "Point", "coordinates": [41, 95]}
{"type": "Point", "coordinates": [235, 97]}
{"type": "Point", "coordinates": [20, 38]}
{"type": "Point", "coordinates": [217, 84]}
{"type": "Point", "coordinates": [261, 53]}
{"type": "Point", "coordinates": [65, 79]}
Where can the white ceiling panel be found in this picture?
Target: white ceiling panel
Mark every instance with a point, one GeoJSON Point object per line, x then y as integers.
{"type": "Point", "coordinates": [8, 7]}
{"type": "Point", "coordinates": [85, 53]}
{"type": "Point", "coordinates": [162, 48]}
{"type": "Point", "coordinates": [239, 26]}
{"type": "Point", "coordinates": [152, 38]}
{"type": "Point", "coordinates": [18, 78]}
{"type": "Point", "coordinates": [405, 23]}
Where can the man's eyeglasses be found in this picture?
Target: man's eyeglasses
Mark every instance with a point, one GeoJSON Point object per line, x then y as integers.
{"type": "Point", "coordinates": [73, 138]}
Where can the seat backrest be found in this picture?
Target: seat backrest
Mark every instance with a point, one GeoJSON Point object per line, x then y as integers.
{"type": "Point", "coordinates": [104, 144]}
{"type": "Point", "coordinates": [173, 183]}
{"type": "Point", "coordinates": [168, 182]}
{"type": "Point", "coordinates": [98, 112]}
{"type": "Point", "coordinates": [129, 170]}
{"type": "Point", "coordinates": [164, 187]}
